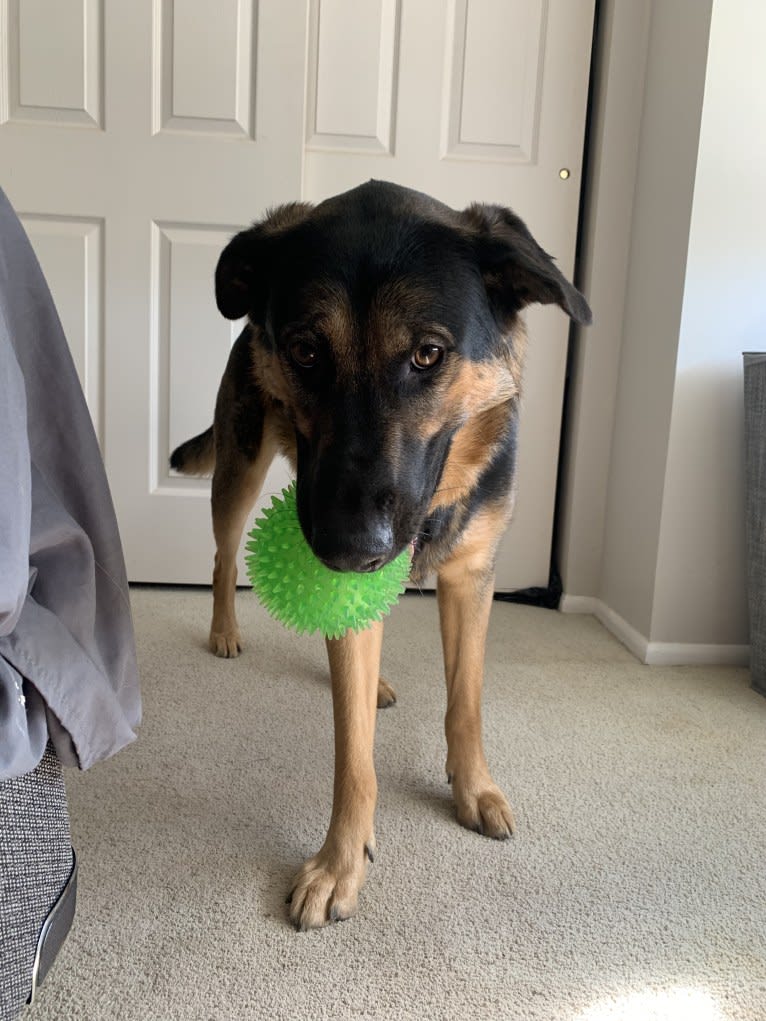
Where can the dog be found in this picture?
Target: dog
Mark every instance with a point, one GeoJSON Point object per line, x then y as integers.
{"type": "Point", "coordinates": [383, 356]}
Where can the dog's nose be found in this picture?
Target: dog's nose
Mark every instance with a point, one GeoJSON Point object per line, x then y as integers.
{"type": "Point", "coordinates": [362, 552]}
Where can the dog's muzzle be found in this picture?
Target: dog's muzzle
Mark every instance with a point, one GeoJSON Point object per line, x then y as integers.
{"type": "Point", "coordinates": [362, 552]}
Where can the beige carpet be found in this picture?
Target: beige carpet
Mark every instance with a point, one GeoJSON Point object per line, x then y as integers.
{"type": "Point", "coordinates": [635, 888]}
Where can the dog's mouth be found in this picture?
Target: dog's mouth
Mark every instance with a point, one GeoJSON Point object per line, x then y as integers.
{"type": "Point", "coordinates": [351, 531]}
{"type": "Point", "coordinates": [412, 548]}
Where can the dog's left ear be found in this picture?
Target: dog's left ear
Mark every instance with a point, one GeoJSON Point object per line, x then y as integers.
{"type": "Point", "coordinates": [516, 270]}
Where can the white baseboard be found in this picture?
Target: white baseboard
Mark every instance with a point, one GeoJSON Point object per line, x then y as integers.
{"type": "Point", "coordinates": [656, 653]}
{"type": "Point", "coordinates": [627, 634]}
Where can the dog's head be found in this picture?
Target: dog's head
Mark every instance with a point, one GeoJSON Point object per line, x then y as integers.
{"type": "Point", "coordinates": [385, 321]}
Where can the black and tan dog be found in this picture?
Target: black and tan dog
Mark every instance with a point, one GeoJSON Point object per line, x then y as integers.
{"type": "Point", "coordinates": [383, 356]}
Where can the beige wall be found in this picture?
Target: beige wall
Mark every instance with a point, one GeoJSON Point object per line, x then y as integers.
{"type": "Point", "coordinates": [652, 519]}
{"type": "Point", "coordinates": [702, 546]}
{"type": "Point", "coordinates": [675, 76]}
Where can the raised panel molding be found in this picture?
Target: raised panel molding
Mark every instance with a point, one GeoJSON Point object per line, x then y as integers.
{"type": "Point", "coordinates": [70, 251]}
{"type": "Point", "coordinates": [190, 341]}
{"type": "Point", "coordinates": [204, 67]}
{"type": "Point", "coordinates": [494, 67]}
{"type": "Point", "coordinates": [352, 75]}
{"type": "Point", "coordinates": [51, 62]}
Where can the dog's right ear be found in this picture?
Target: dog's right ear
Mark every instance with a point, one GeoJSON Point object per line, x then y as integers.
{"type": "Point", "coordinates": [238, 273]}
{"type": "Point", "coordinates": [242, 273]}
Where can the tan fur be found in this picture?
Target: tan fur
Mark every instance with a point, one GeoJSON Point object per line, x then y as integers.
{"type": "Point", "coordinates": [334, 320]}
{"type": "Point", "coordinates": [471, 451]}
{"type": "Point", "coordinates": [236, 485]}
{"type": "Point", "coordinates": [464, 591]}
{"type": "Point", "coordinates": [268, 374]}
{"type": "Point", "coordinates": [465, 411]}
{"type": "Point", "coordinates": [327, 886]}
{"type": "Point", "coordinates": [515, 353]}
{"type": "Point", "coordinates": [478, 387]}
{"type": "Point", "coordinates": [202, 464]}
{"type": "Point", "coordinates": [386, 320]}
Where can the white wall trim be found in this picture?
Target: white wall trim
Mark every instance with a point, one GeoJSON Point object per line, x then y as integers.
{"type": "Point", "coordinates": [627, 634]}
{"type": "Point", "coordinates": [656, 653]}
{"type": "Point", "coordinates": [679, 654]}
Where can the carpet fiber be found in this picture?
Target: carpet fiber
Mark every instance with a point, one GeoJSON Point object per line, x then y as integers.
{"type": "Point", "coordinates": [634, 889]}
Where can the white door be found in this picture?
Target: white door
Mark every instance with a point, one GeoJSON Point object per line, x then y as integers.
{"type": "Point", "coordinates": [135, 139]}
{"type": "Point", "coordinates": [469, 100]}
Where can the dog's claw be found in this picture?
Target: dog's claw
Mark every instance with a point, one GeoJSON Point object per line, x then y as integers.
{"type": "Point", "coordinates": [369, 852]}
{"type": "Point", "coordinates": [326, 888]}
{"type": "Point", "coordinates": [386, 694]}
{"type": "Point", "coordinates": [485, 812]}
{"type": "Point", "coordinates": [225, 645]}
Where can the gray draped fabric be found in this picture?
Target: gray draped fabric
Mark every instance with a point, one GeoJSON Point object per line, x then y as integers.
{"type": "Point", "coordinates": [67, 657]}
{"type": "Point", "coordinates": [755, 510]}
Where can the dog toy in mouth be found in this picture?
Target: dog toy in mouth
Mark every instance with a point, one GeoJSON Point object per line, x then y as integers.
{"type": "Point", "coordinates": [299, 591]}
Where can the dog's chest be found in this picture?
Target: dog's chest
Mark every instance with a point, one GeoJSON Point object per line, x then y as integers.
{"type": "Point", "coordinates": [435, 541]}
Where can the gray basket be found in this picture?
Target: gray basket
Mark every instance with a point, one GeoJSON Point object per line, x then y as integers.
{"type": "Point", "coordinates": [38, 881]}
{"type": "Point", "coordinates": [755, 509]}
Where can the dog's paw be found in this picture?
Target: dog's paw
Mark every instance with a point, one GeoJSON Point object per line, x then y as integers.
{"type": "Point", "coordinates": [226, 644]}
{"type": "Point", "coordinates": [386, 694]}
{"type": "Point", "coordinates": [327, 888]}
{"type": "Point", "coordinates": [483, 808]}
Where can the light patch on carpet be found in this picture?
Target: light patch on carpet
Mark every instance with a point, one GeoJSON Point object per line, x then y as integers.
{"type": "Point", "coordinates": [666, 1005]}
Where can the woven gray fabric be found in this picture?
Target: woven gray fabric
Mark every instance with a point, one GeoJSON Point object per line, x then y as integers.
{"type": "Point", "coordinates": [755, 509]}
{"type": "Point", "coordinates": [35, 863]}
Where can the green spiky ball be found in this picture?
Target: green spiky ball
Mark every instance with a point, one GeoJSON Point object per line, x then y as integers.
{"type": "Point", "coordinates": [297, 589]}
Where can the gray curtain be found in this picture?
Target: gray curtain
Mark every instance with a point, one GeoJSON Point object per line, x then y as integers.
{"type": "Point", "coordinates": [755, 506]}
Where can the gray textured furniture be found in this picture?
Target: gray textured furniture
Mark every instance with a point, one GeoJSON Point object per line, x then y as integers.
{"type": "Point", "coordinates": [38, 881]}
{"type": "Point", "coordinates": [755, 507]}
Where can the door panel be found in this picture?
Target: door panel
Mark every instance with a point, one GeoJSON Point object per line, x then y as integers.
{"type": "Point", "coordinates": [136, 139]}
{"type": "Point", "coordinates": [70, 251]}
{"type": "Point", "coordinates": [469, 100]}
{"type": "Point", "coordinates": [53, 63]}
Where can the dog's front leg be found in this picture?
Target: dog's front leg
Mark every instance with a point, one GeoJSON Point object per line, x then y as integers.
{"type": "Point", "coordinates": [464, 589]}
{"type": "Point", "coordinates": [326, 888]}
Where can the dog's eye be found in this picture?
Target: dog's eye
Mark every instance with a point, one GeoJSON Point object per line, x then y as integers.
{"type": "Point", "coordinates": [427, 356]}
{"type": "Point", "coordinates": [303, 354]}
